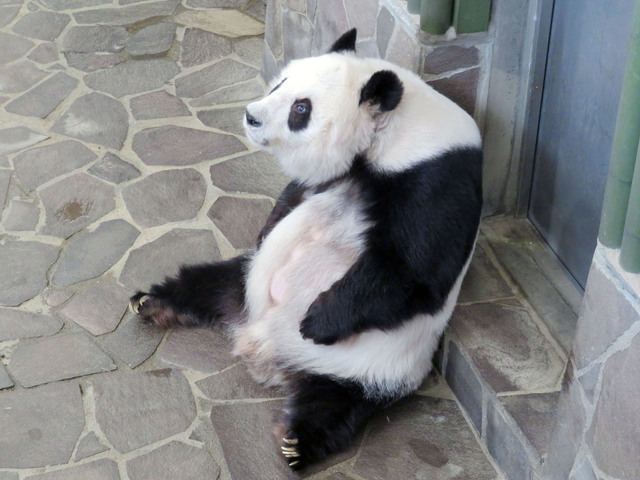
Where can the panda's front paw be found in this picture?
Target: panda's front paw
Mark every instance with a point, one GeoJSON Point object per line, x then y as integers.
{"type": "Point", "coordinates": [318, 326]}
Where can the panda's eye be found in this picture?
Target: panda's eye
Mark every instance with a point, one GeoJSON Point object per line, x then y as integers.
{"type": "Point", "coordinates": [300, 114]}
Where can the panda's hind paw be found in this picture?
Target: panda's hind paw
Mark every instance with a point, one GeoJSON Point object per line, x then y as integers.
{"type": "Point", "coordinates": [291, 453]}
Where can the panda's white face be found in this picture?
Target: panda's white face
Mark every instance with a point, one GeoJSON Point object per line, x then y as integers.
{"type": "Point", "coordinates": [312, 120]}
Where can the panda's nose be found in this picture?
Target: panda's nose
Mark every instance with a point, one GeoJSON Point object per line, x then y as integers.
{"type": "Point", "coordinates": [251, 120]}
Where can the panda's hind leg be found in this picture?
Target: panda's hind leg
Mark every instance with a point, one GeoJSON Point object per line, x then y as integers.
{"type": "Point", "coordinates": [199, 295]}
{"type": "Point", "coordinates": [321, 418]}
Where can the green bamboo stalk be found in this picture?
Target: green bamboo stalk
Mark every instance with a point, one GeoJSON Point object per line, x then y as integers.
{"type": "Point", "coordinates": [625, 147]}
{"type": "Point", "coordinates": [471, 16]}
{"type": "Point", "coordinates": [630, 249]}
{"type": "Point", "coordinates": [436, 15]}
{"type": "Point", "coordinates": [413, 6]}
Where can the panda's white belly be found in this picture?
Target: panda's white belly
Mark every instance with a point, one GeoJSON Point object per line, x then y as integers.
{"type": "Point", "coordinates": [308, 251]}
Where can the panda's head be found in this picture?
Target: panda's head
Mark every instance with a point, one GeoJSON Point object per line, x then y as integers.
{"type": "Point", "coordinates": [322, 111]}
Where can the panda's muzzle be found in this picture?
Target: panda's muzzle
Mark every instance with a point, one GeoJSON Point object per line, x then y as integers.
{"type": "Point", "coordinates": [251, 120]}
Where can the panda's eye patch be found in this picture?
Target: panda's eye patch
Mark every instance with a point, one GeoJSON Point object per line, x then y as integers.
{"type": "Point", "coordinates": [300, 114]}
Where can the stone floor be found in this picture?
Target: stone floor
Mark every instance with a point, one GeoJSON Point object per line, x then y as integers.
{"type": "Point", "coordinates": [121, 157]}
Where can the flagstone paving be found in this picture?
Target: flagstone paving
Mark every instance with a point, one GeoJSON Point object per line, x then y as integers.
{"type": "Point", "coordinates": [122, 157]}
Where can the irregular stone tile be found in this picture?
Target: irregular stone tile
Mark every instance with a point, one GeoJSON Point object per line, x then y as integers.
{"type": "Point", "coordinates": [22, 216]}
{"type": "Point", "coordinates": [584, 471]}
{"type": "Point", "coordinates": [331, 22]}
{"type": "Point", "coordinates": [507, 347]}
{"type": "Point", "coordinates": [7, 14]}
{"type": "Point", "coordinates": [234, 384]}
{"type": "Point", "coordinates": [132, 77]}
{"type": "Point", "coordinates": [95, 38]}
{"type": "Point", "coordinates": [534, 414]}
{"type": "Point", "coordinates": [5, 381]}
{"type": "Point", "coordinates": [174, 460]}
{"type": "Point", "coordinates": [602, 299]}
{"type": "Point", "coordinates": [75, 202]}
{"type": "Point", "coordinates": [247, 442]}
{"type": "Point", "coordinates": [71, 4]}
{"type": "Point", "coordinates": [363, 14]}
{"type": "Point", "coordinates": [225, 119]}
{"type": "Point", "coordinates": [422, 437]}
{"type": "Point", "coordinates": [17, 138]}
{"type": "Point", "coordinates": [296, 25]}
{"type": "Point", "coordinates": [90, 62]}
{"type": "Point", "coordinates": [589, 381]}
{"type": "Point", "coordinates": [55, 297]}
{"type": "Point", "coordinates": [42, 25]}
{"type": "Point", "coordinates": [465, 385]}
{"type": "Point", "coordinates": [90, 254]}
{"type": "Point", "coordinates": [112, 169]}
{"type": "Point", "coordinates": [142, 408]}
{"type": "Point", "coordinates": [403, 50]}
{"type": "Point", "coordinates": [39, 165]}
{"type": "Point", "coordinates": [368, 49]}
{"type": "Point", "coordinates": [95, 118]}
{"type": "Point", "coordinates": [226, 72]}
{"type": "Point", "coordinates": [240, 92]}
{"type": "Point", "coordinates": [202, 349]}
{"type": "Point", "coordinates": [237, 4]}
{"type": "Point", "coordinates": [20, 76]}
{"type": "Point", "coordinates": [615, 429]}
{"type": "Point", "coordinates": [254, 173]}
{"type": "Point", "coordinates": [48, 359]}
{"type": "Point", "coordinates": [103, 469]}
{"type": "Point", "coordinates": [157, 105]}
{"type": "Point", "coordinates": [503, 445]}
{"type": "Point", "coordinates": [19, 324]}
{"type": "Point", "coordinates": [44, 53]}
{"type": "Point", "coordinates": [134, 341]}
{"type": "Point", "coordinates": [98, 308]}
{"type": "Point", "coordinates": [199, 46]}
{"type": "Point", "coordinates": [126, 15]}
{"type": "Point", "coordinates": [258, 10]}
{"type": "Point", "coordinates": [24, 270]}
{"type": "Point", "coordinates": [451, 57]}
{"type": "Point", "coordinates": [89, 445]}
{"type": "Point", "coordinates": [13, 47]}
{"type": "Point", "coordinates": [40, 426]}
{"type": "Point", "coordinates": [250, 50]}
{"type": "Point", "coordinates": [5, 180]}
{"type": "Point", "coordinates": [152, 262]}
{"type": "Point", "coordinates": [240, 219]}
{"type": "Point", "coordinates": [483, 280]}
{"type": "Point", "coordinates": [152, 40]}
{"type": "Point", "coordinates": [462, 88]}
{"type": "Point", "coordinates": [181, 146]}
{"type": "Point", "coordinates": [230, 23]}
{"type": "Point", "coordinates": [273, 30]}
{"type": "Point", "coordinates": [44, 98]}
{"type": "Point", "coordinates": [164, 197]}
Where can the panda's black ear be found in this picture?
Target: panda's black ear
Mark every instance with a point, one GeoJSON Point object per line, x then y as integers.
{"type": "Point", "coordinates": [346, 43]}
{"type": "Point", "coordinates": [383, 89]}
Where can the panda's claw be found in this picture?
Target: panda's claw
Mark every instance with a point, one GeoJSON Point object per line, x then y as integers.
{"type": "Point", "coordinates": [135, 305]}
{"type": "Point", "coordinates": [294, 463]}
{"type": "Point", "coordinates": [290, 441]}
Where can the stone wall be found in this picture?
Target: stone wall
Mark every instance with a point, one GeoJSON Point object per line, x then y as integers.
{"type": "Point", "coordinates": [300, 28]}
{"type": "Point", "coordinates": [597, 431]}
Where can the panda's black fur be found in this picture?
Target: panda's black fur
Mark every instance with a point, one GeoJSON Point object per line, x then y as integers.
{"type": "Point", "coordinates": [422, 223]}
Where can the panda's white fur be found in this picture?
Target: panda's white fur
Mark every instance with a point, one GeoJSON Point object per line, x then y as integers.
{"type": "Point", "coordinates": [424, 125]}
{"type": "Point", "coordinates": [319, 241]}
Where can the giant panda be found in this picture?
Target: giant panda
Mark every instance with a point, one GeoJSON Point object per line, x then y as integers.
{"type": "Point", "coordinates": [359, 265]}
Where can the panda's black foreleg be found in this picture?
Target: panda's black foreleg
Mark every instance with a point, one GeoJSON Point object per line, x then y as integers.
{"type": "Point", "coordinates": [322, 417]}
{"type": "Point", "coordinates": [200, 295]}
{"type": "Point", "coordinates": [290, 198]}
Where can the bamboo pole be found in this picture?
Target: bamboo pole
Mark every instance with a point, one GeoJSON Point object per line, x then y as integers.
{"type": "Point", "coordinates": [630, 250]}
{"type": "Point", "coordinates": [625, 146]}
{"type": "Point", "coordinates": [436, 15]}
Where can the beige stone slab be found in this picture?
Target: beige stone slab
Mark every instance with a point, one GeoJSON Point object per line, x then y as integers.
{"type": "Point", "coordinates": [229, 23]}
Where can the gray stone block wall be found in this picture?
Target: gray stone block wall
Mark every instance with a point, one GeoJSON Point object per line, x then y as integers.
{"type": "Point", "coordinates": [597, 430]}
